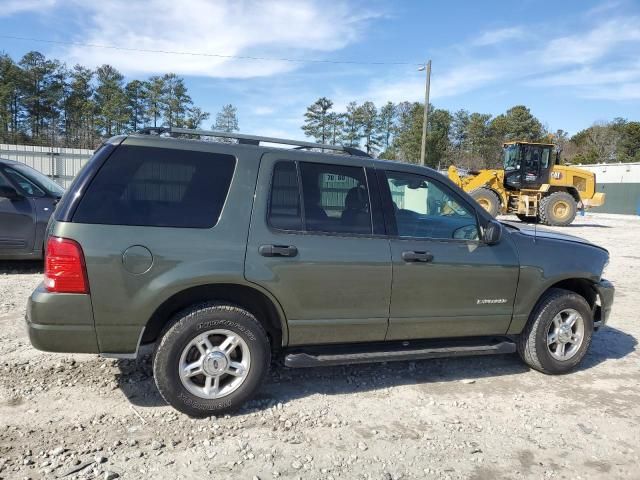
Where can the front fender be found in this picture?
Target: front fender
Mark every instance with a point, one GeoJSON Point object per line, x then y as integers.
{"type": "Point", "coordinates": [545, 262]}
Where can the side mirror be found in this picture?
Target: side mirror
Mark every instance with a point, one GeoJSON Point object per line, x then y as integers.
{"type": "Point", "coordinates": [492, 232]}
{"type": "Point", "coordinates": [8, 192]}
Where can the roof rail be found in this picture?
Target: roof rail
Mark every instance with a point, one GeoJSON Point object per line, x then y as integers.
{"type": "Point", "coordinates": [251, 139]}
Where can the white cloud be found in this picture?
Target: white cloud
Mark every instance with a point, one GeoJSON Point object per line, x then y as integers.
{"type": "Point", "coordinates": [604, 54]}
{"type": "Point", "coordinates": [11, 7]}
{"type": "Point", "coordinates": [410, 85]}
{"type": "Point", "coordinates": [594, 44]}
{"type": "Point", "coordinates": [263, 110]}
{"type": "Point", "coordinates": [269, 28]}
{"type": "Point", "coordinates": [493, 37]}
{"type": "Point", "coordinates": [586, 76]}
{"type": "Point", "coordinates": [622, 92]}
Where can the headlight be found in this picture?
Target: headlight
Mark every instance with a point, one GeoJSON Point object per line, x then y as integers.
{"type": "Point", "coordinates": [604, 269]}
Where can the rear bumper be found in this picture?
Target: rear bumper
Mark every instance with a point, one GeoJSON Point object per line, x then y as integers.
{"type": "Point", "coordinates": [606, 292]}
{"type": "Point", "coordinates": [61, 322]}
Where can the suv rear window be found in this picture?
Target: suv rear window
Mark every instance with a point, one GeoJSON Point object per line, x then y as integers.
{"type": "Point", "coordinates": [158, 187]}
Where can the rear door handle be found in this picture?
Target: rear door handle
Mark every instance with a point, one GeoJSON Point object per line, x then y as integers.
{"type": "Point", "coordinates": [278, 250]}
{"type": "Point", "coordinates": [411, 256]}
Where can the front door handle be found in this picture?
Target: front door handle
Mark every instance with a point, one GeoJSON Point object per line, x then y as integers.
{"type": "Point", "coordinates": [411, 256]}
{"type": "Point", "coordinates": [278, 251]}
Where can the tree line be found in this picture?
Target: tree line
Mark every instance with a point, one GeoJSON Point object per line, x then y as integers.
{"type": "Point", "coordinates": [467, 139]}
{"type": "Point", "coordinates": [44, 102]}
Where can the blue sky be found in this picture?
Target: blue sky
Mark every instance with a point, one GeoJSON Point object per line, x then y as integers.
{"type": "Point", "coordinates": [572, 62]}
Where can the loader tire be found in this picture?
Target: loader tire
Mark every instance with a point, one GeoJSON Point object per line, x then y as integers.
{"type": "Point", "coordinates": [487, 199]}
{"type": "Point", "coordinates": [557, 209]}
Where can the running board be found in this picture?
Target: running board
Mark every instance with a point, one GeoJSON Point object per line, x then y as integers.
{"type": "Point", "coordinates": [395, 351]}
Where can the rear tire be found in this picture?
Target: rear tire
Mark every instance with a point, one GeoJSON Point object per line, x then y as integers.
{"type": "Point", "coordinates": [487, 199]}
{"type": "Point", "coordinates": [558, 209]}
{"type": "Point", "coordinates": [548, 344]}
{"type": "Point", "coordinates": [211, 359]}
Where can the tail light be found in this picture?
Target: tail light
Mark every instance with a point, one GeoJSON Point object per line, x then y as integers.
{"type": "Point", "coordinates": [64, 267]}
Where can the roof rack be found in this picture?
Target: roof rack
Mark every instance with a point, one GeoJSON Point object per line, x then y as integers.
{"type": "Point", "coordinates": [251, 139]}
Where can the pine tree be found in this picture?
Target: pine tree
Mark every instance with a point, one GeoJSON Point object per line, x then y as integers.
{"type": "Point", "coordinates": [316, 122]}
{"type": "Point", "coordinates": [111, 101]}
{"type": "Point", "coordinates": [10, 99]}
{"type": "Point", "coordinates": [386, 124]}
{"type": "Point", "coordinates": [335, 124]}
{"type": "Point", "coordinates": [153, 93]}
{"type": "Point", "coordinates": [80, 108]}
{"type": "Point", "coordinates": [175, 100]}
{"type": "Point", "coordinates": [196, 117]}
{"type": "Point", "coordinates": [227, 119]}
{"type": "Point", "coordinates": [368, 115]}
{"type": "Point", "coordinates": [41, 93]}
{"type": "Point", "coordinates": [352, 125]}
{"type": "Point", "coordinates": [134, 91]}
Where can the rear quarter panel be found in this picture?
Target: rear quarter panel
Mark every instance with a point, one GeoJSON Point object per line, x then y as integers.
{"type": "Point", "coordinates": [122, 301]}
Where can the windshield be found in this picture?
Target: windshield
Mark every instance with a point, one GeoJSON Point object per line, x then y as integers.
{"type": "Point", "coordinates": [511, 157]}
{"type": "Point", "coordinates": [42, 180]}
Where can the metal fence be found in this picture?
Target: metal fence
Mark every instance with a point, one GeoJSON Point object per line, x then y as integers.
{"type": "Point", "coordinates": [60, 164]}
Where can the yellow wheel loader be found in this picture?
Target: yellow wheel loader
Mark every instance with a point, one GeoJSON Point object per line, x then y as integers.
{"type": "Point", "coordinates": [532, 185]}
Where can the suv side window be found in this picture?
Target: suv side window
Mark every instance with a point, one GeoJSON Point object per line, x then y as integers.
{"type": "Point", "coordinates": [158, 187]}
{"type": "Point", "coordinates": [425, 209]}
{"type": "Point", "coordinates": [335, 198]}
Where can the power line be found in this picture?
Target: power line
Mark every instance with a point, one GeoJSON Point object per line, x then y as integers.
{"type": "Point", "coordinates": [205, 54]}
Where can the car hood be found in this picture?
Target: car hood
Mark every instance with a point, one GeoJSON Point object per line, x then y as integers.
{"type": "Point", "coordinates": [534, 231]}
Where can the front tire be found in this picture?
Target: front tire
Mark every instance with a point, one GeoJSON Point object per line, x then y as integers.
{"type": "Point", "coordinates": [558, 334]}
{"type": "Point", "coordinates": [211, 359]}
{"type": "Point", "coordinates": [558, 209]}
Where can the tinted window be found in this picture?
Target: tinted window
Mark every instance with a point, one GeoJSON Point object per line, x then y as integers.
{"type": "Point", "coordinates": [336, 198]}
{"type": "Point", "coordinates": [158, 187]}
{"type": "Point", "coordinates": [4, 182]}
{"type": "Point", "coordinates": [27, 186]}
{"type": "Point", "coordinates": [428, 210]}
{"type": "Point", "coordinates": [45, 182]}
{"type": "Point", "coordinates": [284, 206]}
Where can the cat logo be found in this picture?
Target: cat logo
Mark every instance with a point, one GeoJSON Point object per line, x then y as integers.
{"type": "Point", "coordinates": [556, 175]}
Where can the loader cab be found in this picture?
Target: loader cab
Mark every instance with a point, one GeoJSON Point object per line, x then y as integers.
{"type": "Point", "coordinates": [527, 165]}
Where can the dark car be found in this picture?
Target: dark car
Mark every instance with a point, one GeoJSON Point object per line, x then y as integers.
{"type": "Point", "coordinates": [27, 199]}
{"type": "Point", "coordinates": [224, 254]}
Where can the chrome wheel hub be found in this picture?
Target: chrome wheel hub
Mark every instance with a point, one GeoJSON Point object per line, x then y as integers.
{"type": "Point", "coordinates": [566, 334]}
{"type": "Point", "coordinates": [214, 364]}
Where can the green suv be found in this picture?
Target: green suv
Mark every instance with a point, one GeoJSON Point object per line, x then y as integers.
{"type": "Point", "coordinates": [225, 254]}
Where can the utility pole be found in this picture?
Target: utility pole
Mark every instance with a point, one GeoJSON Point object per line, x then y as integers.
{"type": "Point", "coordinates": [425, 121]}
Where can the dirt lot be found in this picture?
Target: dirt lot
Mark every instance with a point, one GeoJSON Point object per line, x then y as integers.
{"type": "Point", "coordinates": [80, 416]}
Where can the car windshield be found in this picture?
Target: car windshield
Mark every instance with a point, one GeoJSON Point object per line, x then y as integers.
{"type": "Point", "coordinates": [511, 158]}
{"type": "Point", "coordinates": [40, 179]}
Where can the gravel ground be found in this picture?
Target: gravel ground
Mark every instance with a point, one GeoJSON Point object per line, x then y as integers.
{"type": "Point", "coordinates": [80, 416]}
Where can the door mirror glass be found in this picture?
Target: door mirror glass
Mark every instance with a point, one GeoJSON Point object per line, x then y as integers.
{"type": "Point", "coordinates": [492, 232]}
{"type": "Point", "coordinates": [8, 192]}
